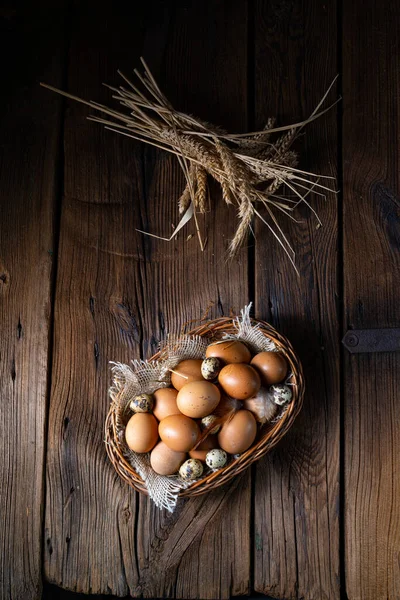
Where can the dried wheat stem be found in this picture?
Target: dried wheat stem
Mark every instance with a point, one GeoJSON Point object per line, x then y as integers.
{"type": "Point", "coordinates": [228, 164]}
{"type": "Point", "coordinates": [201, 189]}
{"type": "Point", "coordinates": [245, 214]}
{"type": "Point", "coordinates": [185, 198]}
{"type": "Point", "coordinates": [226, 192]}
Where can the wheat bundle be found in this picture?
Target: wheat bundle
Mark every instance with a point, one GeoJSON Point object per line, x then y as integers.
{"type": "Point", "coordinates": [250, 168]}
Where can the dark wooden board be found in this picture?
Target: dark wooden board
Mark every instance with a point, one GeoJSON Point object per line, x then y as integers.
{"type": "Point", "coordinates": [119, 292]}
{"type": "Point", "coordinates": [371, 222]}
{"type": "Point", "coordinates": [52, 592]}
{"type": "Point", "coordinates": [94, 322]}
{"type": "Point", "coordinates": [31, 42]}
{"type": "Point", "coordinates": [296, 528]}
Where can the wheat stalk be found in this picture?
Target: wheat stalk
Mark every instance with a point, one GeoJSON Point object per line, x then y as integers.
{"type": "Point", "coordinates": [201, 189]}
{"type": "Point", "coordinates": [250, 168]}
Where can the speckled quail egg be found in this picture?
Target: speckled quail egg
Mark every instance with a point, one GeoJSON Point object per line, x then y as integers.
{"type": "Point", "coordinates": [210, 368]}
{"type": "Point", "coordinates": [216, 459]}
{"type": "Point", "coordinates": [142, 403]}
{"type": "Point", "coordinates": [191, 469]}
{"type": "Point", "coordinates": [209, 420]}
{"type": "Point", "coordinates": [281, 394]}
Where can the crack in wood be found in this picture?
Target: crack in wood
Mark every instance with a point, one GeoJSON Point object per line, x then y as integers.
{"type": "Point", "coordinates": [91, 305]}
{"type": "Point", "coordinates": [13, 371]}
{"type": "Point", "coordinates": [96, 354]}
{"type": "Point", "coordinates": [20, 331]}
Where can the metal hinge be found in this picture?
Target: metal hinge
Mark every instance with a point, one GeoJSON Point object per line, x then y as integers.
{"type": "Point", "coordinates": [372, 340]}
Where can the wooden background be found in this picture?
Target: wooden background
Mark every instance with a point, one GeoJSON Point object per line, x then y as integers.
{"type": "Point", "coordinates": [318, 518]}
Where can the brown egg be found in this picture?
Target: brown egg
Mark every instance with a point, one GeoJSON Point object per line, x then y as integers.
{"type": "Point", "coordinates": [165, 403]}
{"type": "Point", "coordinates": [238, 434]}
{"type": "Point", "coordinates": [189, 370]}
{"type": "Point", "coordinates": [165, 461]}
{"type": "Point", "coordinates": [198, 399]}
{"type": "Point", "coordinates": [210, 443]}
{"type": "Point", "coordinates": [141, 432]}
{"type": "Point", "coordinates": [271, 366]}
{"type": "Point", "coordinates": [179, 432]}
{"type": "Point", "coordinates": [239, 381]}
{"type": "Point", "coordinates": [230, 351]}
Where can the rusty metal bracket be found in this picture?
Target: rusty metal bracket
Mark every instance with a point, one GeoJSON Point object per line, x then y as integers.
{"type": "Point", "coordinates": [372, 340]}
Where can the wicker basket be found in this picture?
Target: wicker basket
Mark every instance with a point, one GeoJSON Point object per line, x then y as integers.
{"type": "Point", "coordinates": [268, 436]}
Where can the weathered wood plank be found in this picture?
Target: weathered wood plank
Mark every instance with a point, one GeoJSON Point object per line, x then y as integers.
{"type": "Point", "coordinates": [86, 505]}
{"type": "Point", "coordinates": [205, 547]}
{"type": "Point", "coordinates": [118, 293]}
{"type": "Point", "coordinates": [29, 164]}
{"type": "Point", "coordinates": [371, 92]}
{"type": "Point", "coordinates": [297, 485]}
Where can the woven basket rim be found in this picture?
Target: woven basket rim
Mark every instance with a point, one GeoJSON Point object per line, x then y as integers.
{"type": "Point", "coordinates": [270, 434]}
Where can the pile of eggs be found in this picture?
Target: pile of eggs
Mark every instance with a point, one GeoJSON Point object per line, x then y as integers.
{"type": "Point", "coordinates": [170, 422]}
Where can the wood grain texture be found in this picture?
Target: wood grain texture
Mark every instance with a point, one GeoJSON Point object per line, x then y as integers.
{"type": "Point", "coordinates": [371, 222]}
{"type": "Point", "coordinates": [296, 529]}
{"type": "Point", "coordinates": [118, 293]}
{"type": "Point", "coordinates": [52, 592]}
{"type": "Point", "coordinates": [29, 162]}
